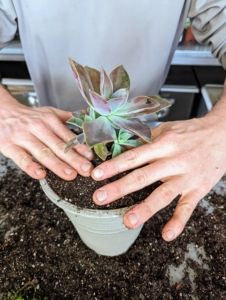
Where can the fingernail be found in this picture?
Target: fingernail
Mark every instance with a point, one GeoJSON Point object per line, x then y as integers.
{"type": "Point", "coordinates": [169, 235]}
{"type": "Point", "coordinates": [88, 154]}
{"type": "Point", "coordinates": [39, 172]}
{"type": "Point", "coordinates": [86, 167]}
{"type": "Point", "coordinates": [101, 195]}
{"type": "Point", "coordinates": [133, 219]}
{"type": "Point", "coordinates": [98, 173]}
{"type": "Point", "coordinates": [68, 171]}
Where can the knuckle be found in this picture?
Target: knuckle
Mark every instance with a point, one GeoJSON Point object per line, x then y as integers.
{"type": "Point", "coordinates": [51, 117]}
{"type": "Point", "coordinates": [45, 153]}
{"type": "Point", "coordinates": [60, 146]}
{"type": "Point", "coordinates": [149, 211]}
{"type": "Point", "coordinates": [186, 207]}
{"type": "Point", "coordinates": [138, 176]}
{"type": "Point", "coordinates": [25, 161]}
{"type": "Point", "coordinates": [168, 136]}
{"type": "Point", "coordinates": [166, 192]}
{"type": "Point", "coordinates": [130, 155]}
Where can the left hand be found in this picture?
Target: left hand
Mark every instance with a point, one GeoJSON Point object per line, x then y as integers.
{"type": "Point", "coordinates": [189, 157]}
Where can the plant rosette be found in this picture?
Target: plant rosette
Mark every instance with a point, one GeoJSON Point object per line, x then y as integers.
{"type": "Point", "coordinates": [111, 124]}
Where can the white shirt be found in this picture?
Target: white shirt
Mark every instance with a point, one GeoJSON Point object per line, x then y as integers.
{"type": "Point", "coordinates": [140, 34]}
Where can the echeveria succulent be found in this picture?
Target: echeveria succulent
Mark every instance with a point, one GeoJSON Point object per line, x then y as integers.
{"type": "Point", "coordinates": [112, 122]}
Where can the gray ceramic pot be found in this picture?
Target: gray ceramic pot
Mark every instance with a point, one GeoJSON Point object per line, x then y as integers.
{"type": "Point", "coordinates": [101, 230]}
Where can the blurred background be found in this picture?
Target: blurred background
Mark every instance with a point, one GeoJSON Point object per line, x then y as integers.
{"type": "Point", "coordinates": [193, 85]}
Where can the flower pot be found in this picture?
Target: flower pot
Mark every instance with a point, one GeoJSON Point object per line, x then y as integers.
{"type": "Point", "coordinates": [101, 230]}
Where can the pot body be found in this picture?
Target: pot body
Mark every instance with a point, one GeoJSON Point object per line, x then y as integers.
{"type": "Point", "coordinates": [101, 230]}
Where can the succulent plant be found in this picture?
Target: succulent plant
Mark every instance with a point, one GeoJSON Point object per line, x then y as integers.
{"type": "Point", "coordinates": [112, 121]}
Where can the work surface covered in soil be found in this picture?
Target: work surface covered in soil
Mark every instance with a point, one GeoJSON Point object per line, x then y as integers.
{"type": "Point", "coordinates": [40, 251]}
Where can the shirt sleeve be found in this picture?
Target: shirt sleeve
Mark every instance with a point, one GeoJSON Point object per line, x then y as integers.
{"type": "Point", "coordinates": [8, 24]}
{"type": "Point", "coordinates": [209, 25]}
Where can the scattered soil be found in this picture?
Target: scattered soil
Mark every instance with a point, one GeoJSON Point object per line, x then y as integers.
{"type": "Point", "coordinates": [41, 251]}
{"type": "Point", "coordinates": [80, 191]}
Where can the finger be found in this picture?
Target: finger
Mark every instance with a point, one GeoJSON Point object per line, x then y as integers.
{"type": "Point", "coordinates": [181, 215]}
{"type": "Point", "coordinates": [129, 160]}
{"type": "Point", "coordinates": [159, 198]}
{"type": "Point", "coordinates": [66, 135]}
{"type": "Point", "coordinates": [71, 157]}
{"type": "Point", "coordinates": [62, 114]}
{"type": "Point", "coordinates": [85, 151]}
{"type": "Point", "coordinates": [136, 180]}
{"type": "Point", "coordinates": [24, 161]}
{"type": "Point", "coordinates": [48, 159]}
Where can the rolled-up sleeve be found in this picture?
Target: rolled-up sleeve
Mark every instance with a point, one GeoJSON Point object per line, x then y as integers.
{"type": "Point", "coordinates": [209, 25]}
{"type": "Point", "coordinates": [8, 24]}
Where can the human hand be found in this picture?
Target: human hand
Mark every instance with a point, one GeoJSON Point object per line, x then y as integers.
{"type": "Point", "coordinates": [36, 137]}
{"type": "Point", "coordinates": [189, 157]}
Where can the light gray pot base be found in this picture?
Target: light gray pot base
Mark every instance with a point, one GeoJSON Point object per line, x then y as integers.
{"type": "Point", "coordinates": [101, 230]}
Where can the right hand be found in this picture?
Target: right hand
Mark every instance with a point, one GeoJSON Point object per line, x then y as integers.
{"type": "Point", "coordinates": [36, 137]}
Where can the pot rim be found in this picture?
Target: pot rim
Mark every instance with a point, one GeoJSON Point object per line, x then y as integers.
{"type": "Point", "coordinates": [80, 210]}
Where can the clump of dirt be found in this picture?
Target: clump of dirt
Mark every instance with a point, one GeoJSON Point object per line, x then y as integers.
{"type": "Point", "coordinates": [40, 249]}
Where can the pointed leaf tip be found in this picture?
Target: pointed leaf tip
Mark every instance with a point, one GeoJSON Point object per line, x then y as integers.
{"type": "Point", "coordinates": [120, 78]}
{"type": "Point", "coordinates": [106, 87]}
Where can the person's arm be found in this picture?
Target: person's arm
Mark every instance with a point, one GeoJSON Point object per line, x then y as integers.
{"type": "Point", "coordinates": [209, 25]}
{"type": "Point", "coordinates": [189, 157]}
{"type": "Point", "coordinates": [36, 137]}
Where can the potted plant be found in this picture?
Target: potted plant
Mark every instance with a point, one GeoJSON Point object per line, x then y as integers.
{"type": "Point", "coordinates": [111, 124]}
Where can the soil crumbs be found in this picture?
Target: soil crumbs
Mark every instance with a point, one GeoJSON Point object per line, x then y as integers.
{"type": "Point", "coordinates": [42, 257]}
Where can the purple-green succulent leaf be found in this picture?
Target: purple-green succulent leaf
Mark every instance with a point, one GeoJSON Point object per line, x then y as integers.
{"type": "Point", "coordinates": [77, 140]}
{"type": "Point", "coordinates": [106, 87]}
{"type": "Point", "coordinates": [143, 105]}
{"type": "Point", "coordinates": [92, 113]}
{"type": "Point", "coordinates": [116, 149]}
{"type": "Point", "coordinates": [101, 150]}
{"type": "Point", "coordinates": [75, 121]}
{"type": "Point", "coordinates": [120, 78]}
{"type": "Point", "coordinates": [100, 104]}
{"type": "Point", "coordinates": [99, 131]}
{"type": "Point", "coordinates": [124, 135]}
{"type": "Point", "coordinates": [81, 138]}
{"type": "Point", "coordinates": [83, 80]}
{"type": "Point", "coordinates": [133, 125]}
{"type": "Point", "coordinates": [119, 99]}
{"type": "Point", "coordinates": [147, 119]}
{"type": "Point", "coordinates": [87, 118]}
{"type": "Point", "coordinates": [94, 76]}
{"type": "Point", "coordinates": [121, 93]}
{"type": "Point", "coordinates": [80, 113]}
{"type": "Point", "coordinates": [131, 143]}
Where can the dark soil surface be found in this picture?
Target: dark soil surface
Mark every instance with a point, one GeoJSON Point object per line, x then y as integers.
{"type": "Point", "coordinates": [80, 191]}
{"type": "Point", "coordinates": [40, 251]}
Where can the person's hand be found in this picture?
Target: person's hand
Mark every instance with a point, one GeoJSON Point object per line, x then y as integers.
{"type": "Point", "coordinates": [36, 137]}
{"type": "Point", "coordinates": [189, 157]}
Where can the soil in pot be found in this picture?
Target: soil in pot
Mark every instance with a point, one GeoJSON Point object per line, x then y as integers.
{"type": "Point", "coordinates": [80, 190]}
{"type": "Point", "coordinates": [39, 249]}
